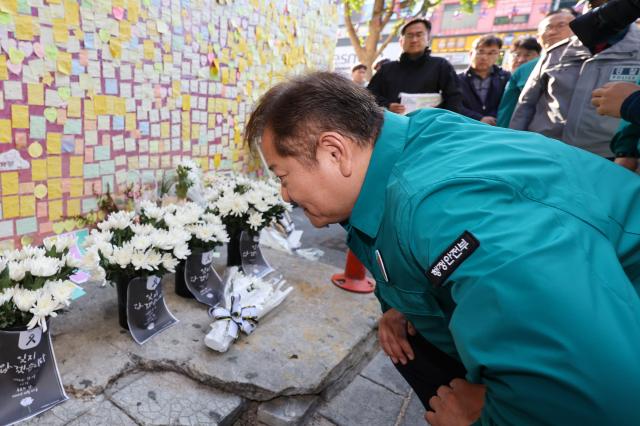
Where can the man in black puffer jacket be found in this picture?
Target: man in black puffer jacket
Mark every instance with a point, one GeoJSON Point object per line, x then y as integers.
{"type": "Point", "coordinates": [416, 72]}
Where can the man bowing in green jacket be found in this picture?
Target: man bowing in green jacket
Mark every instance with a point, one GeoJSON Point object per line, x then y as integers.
{"type": "Point", "coordinates": [507, 264]}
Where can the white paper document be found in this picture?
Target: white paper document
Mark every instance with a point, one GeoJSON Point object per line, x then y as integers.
{"type": "Point", "coordinates": [414, 101]}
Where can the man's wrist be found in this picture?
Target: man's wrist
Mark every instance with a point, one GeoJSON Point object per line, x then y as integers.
{"type": "Point", "coordinates": [629, 105]}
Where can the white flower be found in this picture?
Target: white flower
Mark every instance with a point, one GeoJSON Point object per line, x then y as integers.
{"type": "Point", "coordinates": [60, 290]}
{"type": "Point", "coordinates": [153, 259]}
{"type": "Point", "coordinates": [72, 262]}
{"type": "Point", "coordinates": [139, 261]}
{"type": "Point", "coordinates": [255, 220]}
{"type": "Point", "coordinates": [181, 251]}
{"type": "Point", "coordinates": [151, 210]}
{"type": "Point", "coordinates": [44, 307]}
{"type": "Point", "coordinates": [45, 267]}
{"type": "Point", "coordinates": [140, 242]}
{"type": "Point", "coordinates": [17, 271]}
{"type": "Point", "coordinates": [143, 229]}
{"type": "Point", "coordinates": [64, 242]}
{"type": "Point", "coordinates": [24, 299]}
{"type": "Point", "coordinates": [118, 220]}
{"type": "Point", "coordinates": [121, 256]}
{"type": "Point", "coordinates": [163, 240]}
{"type": "Point", "coordinates": [169, 262]}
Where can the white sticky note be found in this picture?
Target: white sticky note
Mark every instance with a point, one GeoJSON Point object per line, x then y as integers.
{"type": "Point", "coordinates": [13, 90]}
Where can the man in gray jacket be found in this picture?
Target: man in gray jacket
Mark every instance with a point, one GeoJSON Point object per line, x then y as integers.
{"type": "Point", "coordinates": [556, 100]}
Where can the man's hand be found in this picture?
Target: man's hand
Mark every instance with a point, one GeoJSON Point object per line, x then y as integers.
{"type": "Point", "coordinates": [489, 120]}
{"type": "Point", "coordinates": [608, 99]}
{"type": "Point", "coordinates": [397, 108]}
{"type": "Point", "coordinates": [459, 404]}
{"type": "Point", "coordinates": [630, 163]}
{"type": "Point", "coordinates": [392, 333]}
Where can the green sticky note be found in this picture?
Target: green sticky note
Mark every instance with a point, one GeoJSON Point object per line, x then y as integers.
{"type": "Point", "coordinates": [64, 93]}
{"type": "Point", "coordinates": [104, 35]}
{"type": "Point", "coordinates": [101, 153]}
{"type": "Point", "coordinates": [107, 167]}
{"type": "Point", "coordinates": [27, 225]}
{"type": "Point", "coordinates": [73, 126]}
{"type": "Point", "coordinates": [51, 114]}
{"type": "Point", "coordinates": [91, 171]}
{"type": "Point", "coordinates": [51, 52]}
{"type": "Point", "coordinates": [5, 18]}
{"type": "Point", "coordinates": [37, 127]}
{"type": "Point", "coordinates": [89, 205]}
{"type": "Point", "coordinates": [23, 7]}
{"type": "Point", "coordinates": [107, 182]}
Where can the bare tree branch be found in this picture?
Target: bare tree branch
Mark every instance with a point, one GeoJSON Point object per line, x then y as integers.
{"type": "Point", "coordinates": [389, 38]}
{"type": "Point", "coordinates": [389, 13]}
{"type": "Point", "coordinates": [351, 31]}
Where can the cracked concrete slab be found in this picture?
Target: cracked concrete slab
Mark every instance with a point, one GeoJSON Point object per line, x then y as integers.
{"type": "Point", "coordinates": [382, 371]}
{"type": "Point", "coordinates": [171, 398]}
{"type": "Point", "coordinates": [65, 412]}
{"type": "Point", "coordinates": [103, 414]}
{"type": "Point", "coordinates": [286, 411]}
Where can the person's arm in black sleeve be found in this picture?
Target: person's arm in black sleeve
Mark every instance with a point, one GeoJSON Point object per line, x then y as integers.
{"type": "Point", "coordinates": [464, 108]}
{"type": "Point", "coordinates": [451, 94]}
{"type": "Point", "coordinates": [376, 86]}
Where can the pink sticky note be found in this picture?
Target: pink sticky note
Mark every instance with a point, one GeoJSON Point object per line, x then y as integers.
{"type": "Point", "coordinates": [118, 13]}
{"type": "Point", "coordinates": [42, 209]}
{"type": "Point", "coordinates": [38, 50]}
{"type": "Point", "coordinates": [83, 57]}
{"type": "Point", "coordinates": [88, 155]}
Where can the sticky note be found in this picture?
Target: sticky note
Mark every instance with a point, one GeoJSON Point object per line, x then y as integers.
{"type": "Point", "coordinates": [26, 226]}
{"type": "Point", "coordinates": [24, 27]}
{"type": "Point", "coordinates": [64, 63]}
{"type": "Point", "coordinates": [55, 188]}
{"type": "Point", "coordinates": [10, 183]}
{"type": "Point", "coordinates": [27, 205]}
{"type": "Point", "coordinates": [55, 210]}
{"type": "Point", "coordinates": [4, 72]}
{"type": "Point", "coordinates": [76, 165]}
{"type": "Point", "coordinates": [40, 191]}
{"type": "Point", "coordinates": [20, 116]}
{"type": "Point", "coordinates": [54, 166]}
{"type": "Point", "coordinates": [73, 126]}
{"type": "Point", "coordinates": [74, 107]}
{"type": "Point", "coordinates": [5, 130]}
{"type": "Point", "coordinates": [9, 6]}
{"type": "Point", "coordinates": [36, 127]}
{"type": "Point", "coordinates": [73, 208]}
{"type": "Point", "coordinates": [60, 31]}
{"type": "Point", "coordinates": [21, 140]}
{"type": "Point", "coordinates": [54, 143]}
{"type": "Point", "coordinates": [115, 47]}
{"type": "Point", "coordinates": [38, 169]}
{"type": "Point", "coordinates": [75, 187]}
{"type": "Point", "coordinates": [10, 207]}
{"type": "Point", "coordinates": [148, 49]}
{"type": "Point", "coordinates": [35, 94]}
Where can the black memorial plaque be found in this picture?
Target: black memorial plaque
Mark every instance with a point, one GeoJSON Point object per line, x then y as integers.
{"type": "Point", "coordinates": [253, 261]}
{"type": "Point", "coordinates": [29, 378]}
{"type": "Point", "coordinates": [201, 279]}
{"type": "Point", "coordinates": [147, 313]}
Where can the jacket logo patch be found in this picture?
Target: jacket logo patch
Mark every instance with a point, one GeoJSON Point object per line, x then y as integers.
{"type": "Point", "coordinates": [451, 258]}
{"type": "Point", "coordinates": [624, 73]}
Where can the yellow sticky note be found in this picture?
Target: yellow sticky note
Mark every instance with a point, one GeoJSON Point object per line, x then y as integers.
{"type": "Point", "coordinates": [72, 13]}
{"type": "Point", "coordinates": [148, 49]}
{"type": "Point", "coordinates": [125, 30]}
{"type": "Point", "coordinates": [54, 143]}
{"type": "Point", "coordinates": [55, 210]}
{"type": "Point", "coordinates": [54, 166]}
{"type": "Point", "coordinates": [73, 208]}
{"type": "Point", "coordinates": [24, 27]}
{"type": "Point", "coordinates": [35, 150]}
{"type": "Point", "coordinates": [100, 104]}
{"type": "Point", "coordinates": [5, 131]}
{"type": "Point", "coordinates": [186, 102]}
{"type": "Point", "coordinates": [35, 93]}
{"type": "Point", "coordinates": [4, 72]}
{"type": "Point", "coordinates": [64, 63]}
{"type": "Point", "coordinates": [130, 122]}
{"type": "Point", "coordinates": [20, 116]}
{"type": "Point", "coordinates": [10, 207]}
{"type": "Point", "coordinates": [55, 188]}
{"type": "Point", "coordinates": [175, 88]}
{"type": "Point", "coordinates": [76, 187]}
{"type": "Point", "coordinates": [39, 169]}
{"type": "Point", "coordinates": [89, 109]}
{"type": "Point", "coordinates": [115, 47]}
{"type": "Point", "coordinates": [165, 129]}
{"type": "Point", "coordinates": [27, 205]}
{"type": "Point", "coordinates": [76, 166]}
{"type": "Point", "coordinates": [60, 31]}
{"type": "Point", "coordinates": [216, 160]}
{"type": "Point", "coordinates": [10, 183]}
{"type": "Point", "coordinates": [9, 6]}
{"type": "Point", "coordinates": [119, 106]}
{"type": "Point", "coordinates": [74, 107]}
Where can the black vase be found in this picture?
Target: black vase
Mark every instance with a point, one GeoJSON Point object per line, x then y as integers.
{"type": "Point", "coordinates": [234, 257]}
{"type": "Point", "coordinates": [121, 286]}
{"type": "Point", "coordinates": [181, 286]}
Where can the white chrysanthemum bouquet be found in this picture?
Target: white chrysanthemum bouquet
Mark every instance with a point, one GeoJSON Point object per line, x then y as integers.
{"type": "Point", "coordinates": [245, 204]}
{"type": "Point", "coordinates": [123, 248]}
{"type": "Point", "coordinates": [34, 283]}
{"type": "Point", "coordinates": [204, 230]}
{"type": "Point", "coordinates": [189, 181]}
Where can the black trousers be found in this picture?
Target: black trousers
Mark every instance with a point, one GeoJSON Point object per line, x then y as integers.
{"type": "Point", "coordinates": [430, 369]}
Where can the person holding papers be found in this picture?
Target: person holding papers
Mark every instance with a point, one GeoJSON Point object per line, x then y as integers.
{"type": "Point", "coordinates": [417, 72]}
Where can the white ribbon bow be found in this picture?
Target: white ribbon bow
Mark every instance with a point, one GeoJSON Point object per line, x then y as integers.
{"type": "Point", "coordinates": [239, 318]}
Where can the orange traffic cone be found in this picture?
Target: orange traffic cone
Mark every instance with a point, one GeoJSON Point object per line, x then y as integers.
{"type": "Point", "coordinates": [354, 278]}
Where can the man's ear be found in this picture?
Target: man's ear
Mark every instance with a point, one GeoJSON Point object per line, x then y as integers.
{"type": "Point", "coordinates": [339, 149]}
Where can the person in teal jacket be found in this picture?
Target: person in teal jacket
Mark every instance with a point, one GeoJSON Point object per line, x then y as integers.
{"type": "Point", "coordinates": [507, 264]}
{"type": "Point", "coordinates": [512, 92]}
